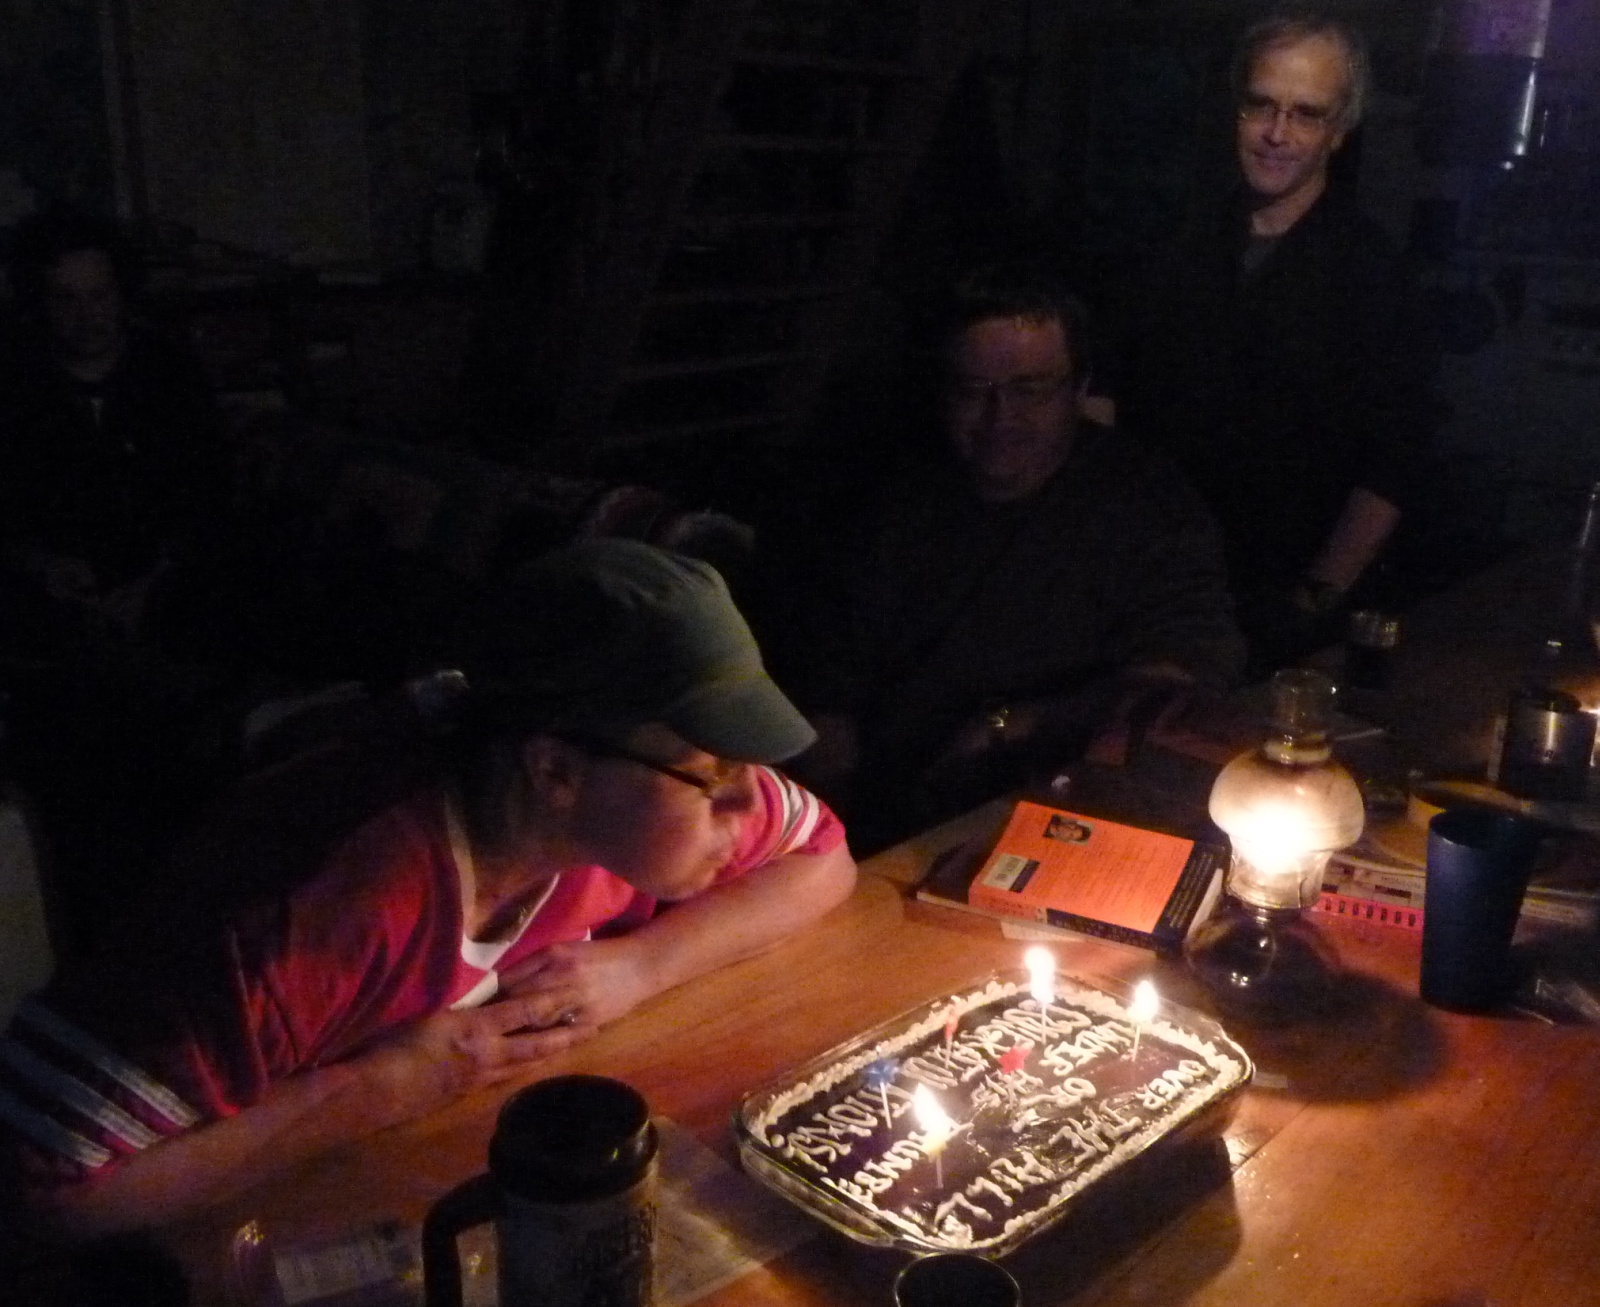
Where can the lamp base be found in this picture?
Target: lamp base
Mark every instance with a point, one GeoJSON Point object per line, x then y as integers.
{"type": "Point", "coordinates": [1267, 966]}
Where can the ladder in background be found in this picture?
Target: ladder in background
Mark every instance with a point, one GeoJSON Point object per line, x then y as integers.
{"type": "Point", "coordinates": [749, 158]}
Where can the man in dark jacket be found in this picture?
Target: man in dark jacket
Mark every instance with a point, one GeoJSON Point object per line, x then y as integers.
{"type": "Point", "coordinates": [1276, 351]}
{"type": "Point", "coordinates": [1031, 587]}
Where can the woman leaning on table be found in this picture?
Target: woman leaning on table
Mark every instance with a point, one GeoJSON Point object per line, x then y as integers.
{"type": "Point", "coordinates": [337, 965]}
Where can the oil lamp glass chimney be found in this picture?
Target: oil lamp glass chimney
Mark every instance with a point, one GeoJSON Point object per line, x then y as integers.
{"type": "Point", "coordinates": [1286, 805]}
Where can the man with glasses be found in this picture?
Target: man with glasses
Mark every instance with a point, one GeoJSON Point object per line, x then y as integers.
{"type": "Point", "coordinates": [485, 905]}
{"type": "Point", "coordinates": [1276, 352]}
{"type": "Point", "coordinates": [1013, 594]}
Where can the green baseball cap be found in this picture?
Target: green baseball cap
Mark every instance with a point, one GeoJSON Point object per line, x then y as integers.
{"type": "Point", "coordinates": [610, 633]}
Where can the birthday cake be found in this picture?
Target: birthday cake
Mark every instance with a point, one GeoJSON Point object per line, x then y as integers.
{"type": "Point", "coordinates": [972, 1121]}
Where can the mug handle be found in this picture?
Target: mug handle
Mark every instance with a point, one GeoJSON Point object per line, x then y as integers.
{"type": "Point", "coordinates": [471, 1203]}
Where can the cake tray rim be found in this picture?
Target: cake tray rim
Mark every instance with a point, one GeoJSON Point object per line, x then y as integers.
{"type": "Point", "coordinates": [1206, 1118]}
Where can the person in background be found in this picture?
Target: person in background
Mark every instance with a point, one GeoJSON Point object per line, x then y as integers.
{"type": "Point", "coordinates": [353, 941]}
{"type": "Point", "coordinates": [1021, 591]}
{"type": "Point", "coordinates": [111, 446]}
{"type": "Point", "coordinates": [114, 488]}
{"type": "Point", "coordinates": [1277, 352]}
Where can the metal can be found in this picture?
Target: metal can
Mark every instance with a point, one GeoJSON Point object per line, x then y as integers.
{"type": "Point", "coordinates": [1548, 745]}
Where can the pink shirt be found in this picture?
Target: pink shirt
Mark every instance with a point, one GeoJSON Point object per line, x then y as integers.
{"type": "Point", "coordinates": [97, 1067]}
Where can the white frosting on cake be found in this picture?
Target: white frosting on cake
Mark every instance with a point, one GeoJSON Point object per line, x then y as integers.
{"type": "Point", "coordinates": [1023, 1143]}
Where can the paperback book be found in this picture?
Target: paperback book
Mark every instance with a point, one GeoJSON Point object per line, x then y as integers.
{"type": "Point", "coordinates": [1063, 870]}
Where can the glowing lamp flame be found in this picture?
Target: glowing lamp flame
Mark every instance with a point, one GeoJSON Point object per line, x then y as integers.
{"type": "Point", "coordinates": [1041, 964]}
{"type": "Point", "coordinates": [1279, 836]}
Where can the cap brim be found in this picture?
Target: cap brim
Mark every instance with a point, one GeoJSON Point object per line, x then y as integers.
{"type": "Point", "coordinates": [746, 720]}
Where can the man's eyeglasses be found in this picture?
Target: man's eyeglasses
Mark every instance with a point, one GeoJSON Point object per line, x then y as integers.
{"type": "Point", "coordinates": [1305, 119]}
{"type": "Point", "coordinates": [1020, 393]}
{"type": "Point", "coordinates": [726, 774]}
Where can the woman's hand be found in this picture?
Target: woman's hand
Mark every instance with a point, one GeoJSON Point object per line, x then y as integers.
{"type": "Point", "coordinates": [590, 981]}
{"type": "Point", "coordinates": [597, 981]}
{"type": "Point", "coordinates": [440, 1057]}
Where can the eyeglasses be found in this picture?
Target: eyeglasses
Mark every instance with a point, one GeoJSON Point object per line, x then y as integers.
{"type": "Point", "coordinates": [727, 773]}
{"type": "Point", "coordinates": [1019, 393]}
{"type": "Point", "coordinates": [1304, 119]}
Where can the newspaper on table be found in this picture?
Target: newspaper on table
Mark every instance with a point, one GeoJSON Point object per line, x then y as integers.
{"type": "Point", "coordinates": [714, 1224]}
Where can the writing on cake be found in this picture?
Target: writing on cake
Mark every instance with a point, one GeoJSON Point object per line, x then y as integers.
{"type": "Point", "coordinates": [1037, 1103]}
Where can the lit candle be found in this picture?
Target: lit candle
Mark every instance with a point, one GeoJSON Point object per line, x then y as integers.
{"type": "Point", "coordinates": [1146, 1003]}
{"type": "Point", "coordinates": [1041, 964]}
{"type": "Point", "coordinates": [937, 1127]}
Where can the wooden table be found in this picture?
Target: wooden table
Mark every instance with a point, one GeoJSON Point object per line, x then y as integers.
{"type": "Point", "coordinates": [1396, 1157]}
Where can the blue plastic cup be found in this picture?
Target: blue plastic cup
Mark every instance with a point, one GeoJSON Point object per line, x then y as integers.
{"type": "Point", "coordinates": [1479, 862]}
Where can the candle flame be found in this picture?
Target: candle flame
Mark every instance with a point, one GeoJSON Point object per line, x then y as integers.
{"type": "Point", "coordinates": [1041, 964]}
{"type": "Point", "coordinates": [936, 1123]}
{"type": "Point", "coordinates": [1146, 1002]}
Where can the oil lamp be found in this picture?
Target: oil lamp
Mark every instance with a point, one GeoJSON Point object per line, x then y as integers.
{"type": "Point", "coordinates": [1286, 806]}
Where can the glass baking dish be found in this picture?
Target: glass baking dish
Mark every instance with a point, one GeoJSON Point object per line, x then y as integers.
{"type": "Point", "coordinates": [1030, 1112]}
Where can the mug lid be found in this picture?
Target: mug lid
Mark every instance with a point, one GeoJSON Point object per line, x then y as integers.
{"type": "Point", "coordinates": [572, 1137]}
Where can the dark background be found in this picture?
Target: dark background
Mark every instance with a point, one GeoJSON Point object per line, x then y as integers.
{"type": "Point", "coordinates": [313, 176]}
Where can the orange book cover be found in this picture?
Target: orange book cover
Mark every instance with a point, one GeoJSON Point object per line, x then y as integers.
{"type": "Point", "coordinates": [1049, 865]}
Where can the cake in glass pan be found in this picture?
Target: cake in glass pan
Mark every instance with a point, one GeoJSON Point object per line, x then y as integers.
{"type": "Point", "coordinates": [974, 1120]}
